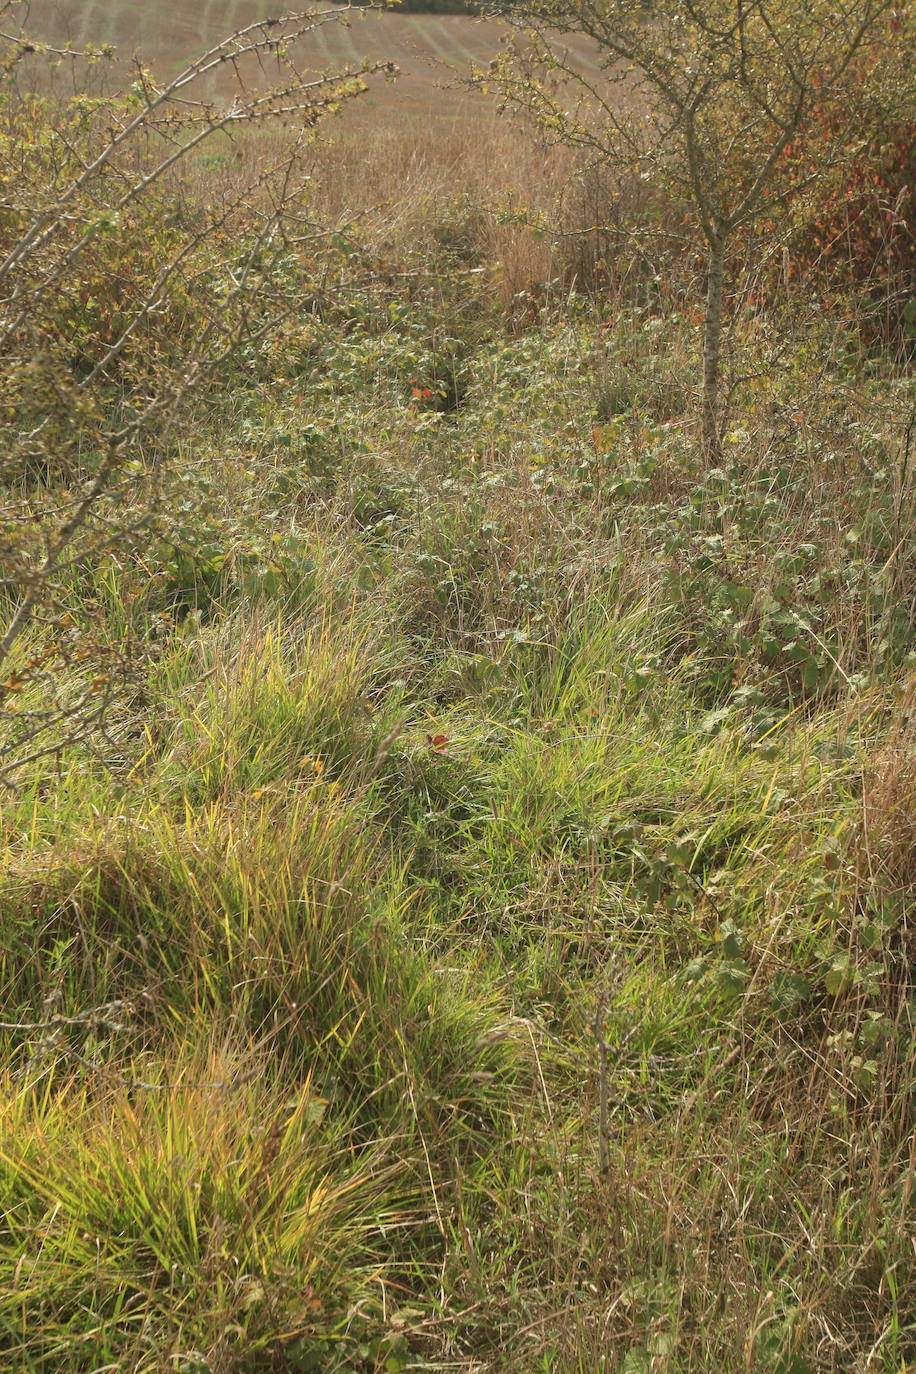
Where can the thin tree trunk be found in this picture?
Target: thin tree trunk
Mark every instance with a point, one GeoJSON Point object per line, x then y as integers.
{"type": "Point", "coordinates": [712, 349]}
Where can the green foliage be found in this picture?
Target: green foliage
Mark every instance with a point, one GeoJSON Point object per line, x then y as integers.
{"type": "Point", "coordinates": [480, 937]}
{"type": "Point", "coordinates": [121, 304]}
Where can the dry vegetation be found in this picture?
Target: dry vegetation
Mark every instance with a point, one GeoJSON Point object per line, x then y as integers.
{"type": "Point", "coordinates": [477, 934]}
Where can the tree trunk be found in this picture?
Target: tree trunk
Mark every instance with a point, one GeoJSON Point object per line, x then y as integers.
{"type": "Point", "coordinates": [712, 348]}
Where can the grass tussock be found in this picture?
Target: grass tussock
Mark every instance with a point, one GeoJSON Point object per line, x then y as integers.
{"type": "Point", "coordinates": [192, 1216]}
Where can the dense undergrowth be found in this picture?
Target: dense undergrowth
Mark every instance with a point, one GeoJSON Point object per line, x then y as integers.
{"type": "Point", "coordinates": [482, 936]}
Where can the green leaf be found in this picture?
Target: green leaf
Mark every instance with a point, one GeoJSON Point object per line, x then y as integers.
{"type": "Point", "coordinates": [839, 976]}
{"type": "Point", "coordinates": [731, 945]}
{"type": "Point", "coordinates": [737, 595]}
{"type": "Point", "coordinates": [733, 977]}
{"type": "Point", "coordinates": [790, 992]}
{"type": "Point", "coordinates": [663, 1344]}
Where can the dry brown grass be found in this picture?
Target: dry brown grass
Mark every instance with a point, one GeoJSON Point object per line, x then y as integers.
{"type": "Point", "coordinates": [889, 804]}
{"type": "Point", "coordinates": [424, 162]}
{"type": "Point", "coordinates": [473, 185]}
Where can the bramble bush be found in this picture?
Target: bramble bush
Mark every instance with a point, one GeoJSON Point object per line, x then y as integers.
{"type": "Point", "coordinates": [125, 299]}
{"type": "Point", "coordinates": [857, 231]}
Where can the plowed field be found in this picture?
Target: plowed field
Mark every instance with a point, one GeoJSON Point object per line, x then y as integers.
{"type": "Point", "coordinates": [433, 51]}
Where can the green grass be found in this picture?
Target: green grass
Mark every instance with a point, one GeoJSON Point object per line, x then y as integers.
{"type": "Point", "coordinates": [482, 939]}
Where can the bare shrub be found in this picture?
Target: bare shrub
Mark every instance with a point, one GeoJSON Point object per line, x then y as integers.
{"type": "Point", "coordinates": [121, 300]}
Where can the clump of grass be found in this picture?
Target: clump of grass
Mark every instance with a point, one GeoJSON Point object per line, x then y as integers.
{"type": "Point", "coordinates": [206, 1219]}
{"type": "Point", "coordinates": [261, 918]}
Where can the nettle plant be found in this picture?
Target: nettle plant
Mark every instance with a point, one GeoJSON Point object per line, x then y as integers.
{"type": "Point", "coordinates": [127, 291]}
{"type": "Point", "coordinates": [701, 98]}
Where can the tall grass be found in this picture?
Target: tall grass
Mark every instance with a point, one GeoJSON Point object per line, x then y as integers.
{"type": "Point", "coordinates": [483, 937]}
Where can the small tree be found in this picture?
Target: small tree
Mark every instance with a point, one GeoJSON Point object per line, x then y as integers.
{"type": "Point", "coordinates": [707, 93]}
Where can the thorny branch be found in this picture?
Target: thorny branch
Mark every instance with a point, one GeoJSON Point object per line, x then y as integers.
{"type": "Point", "coordinates": [102, 353]}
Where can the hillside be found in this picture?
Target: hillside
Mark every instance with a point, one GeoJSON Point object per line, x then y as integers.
{"type": "Point", "coordinates": [458, 831]}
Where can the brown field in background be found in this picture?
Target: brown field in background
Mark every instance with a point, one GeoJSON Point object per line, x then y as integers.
{"type": "Point", "coordinates": [403, 156]}
{"type": "Point", "coordinates": [420, 162]}
{"type": "Point", "coordinates": [434, 52]}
